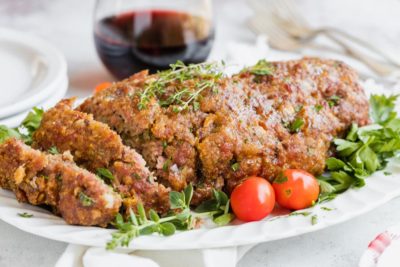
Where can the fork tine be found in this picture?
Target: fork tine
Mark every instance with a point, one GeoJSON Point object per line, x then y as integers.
{"type": "Point", "coordinates": [258, 6]}
{"type": "Point", "coordinates": [290, 11]}
{"type": "Point", "coordinates": [278, 38]}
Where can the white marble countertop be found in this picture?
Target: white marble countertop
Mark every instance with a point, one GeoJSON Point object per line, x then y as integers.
{"type": "Point", "coordinates": [67, 24]}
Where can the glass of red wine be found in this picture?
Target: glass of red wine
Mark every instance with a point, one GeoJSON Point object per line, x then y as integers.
{"type": "Point", "coordinates": [133, 35]}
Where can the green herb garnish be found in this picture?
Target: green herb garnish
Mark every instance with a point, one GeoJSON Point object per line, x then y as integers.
{"type": "Point", "coordinates": [318, 108]}
{"type": "Point", "coordinates": [298, 108]}
{"type": "Point", "coordinates": [24, 132]}
{"type": "Point", "coordinates": [296, 125]}
{"type": "Point", "coordinates": [302, 213]}
{"type": "Point", "coordinates": [235, 166]}
{"type": "Point", "coordinates": [207, 73]}
{"type": "Point", "coordinates": [180, 217]}
{"type": "Point", "coordinates": [314, 219]}
{"type": "Point", "coordinates": [333, 100]}
{"type": "Point", "coordinates": [53, 150]}
{"type": "Point", "coordinates": [25, 215]}
{"type": "Point", "coordinates": [364, 150]}
{"type": "Point", "coordinates": [217, 207]}
{"type": "Point", "coordinates": [166, 165]}
{"type": "Point", "coordinates": [85, 200]}
{"type": "Point", "coordinates": [262, 67]}
{"type": "Point", "coordinates": [326, 209]}
{"type": "Point", "coordinates": [104, 173]}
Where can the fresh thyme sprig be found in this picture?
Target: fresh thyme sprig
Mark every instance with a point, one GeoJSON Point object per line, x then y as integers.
{"type": "Point", "coordinates": [180, 217]}
{"type": "Point", "coordinates": [208, 74]}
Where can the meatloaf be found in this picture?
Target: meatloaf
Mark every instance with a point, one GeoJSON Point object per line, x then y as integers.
{"type": "Point", "coordinates": [54, 180]}
{"type": "Point", "coordinates": [253, 123]}
{"type": "Point", "coordinates": [96, 147]}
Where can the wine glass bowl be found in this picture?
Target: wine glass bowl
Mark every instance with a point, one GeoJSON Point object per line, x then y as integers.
{"type": "Point", "coordinates": [133, 35]}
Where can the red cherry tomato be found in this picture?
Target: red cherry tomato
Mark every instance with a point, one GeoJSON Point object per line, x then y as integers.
{"type": "Point", "coordinates": [296, 189]}
{"type": "Point", "coordinates": [253, 199]}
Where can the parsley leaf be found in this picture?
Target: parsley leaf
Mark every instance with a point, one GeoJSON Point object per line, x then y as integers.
{"type": "Point", "coordinates": [25, 215]}
{"type": "Point", "coordinates": [85, 200]}
{"type": "Point", "coordinates": [235, 166]}
{"type": "Point", "coordinates": [382, 108]}
{"type": "Point", "coordinates": [53, 150]}
{"type": "Point", "coordinates": [296, 125]}
{"type": "Point", "coordinates": [6, 133]}
{"type": "Point", "coordinates": [314, 219]}
{"type": "Point", "coordinates": [364, 150]}
{"type": "Point", "coordinates": [262, 67]}
{"type": "Point", "coordinates": [333, 100]}
{"type": "Point", "coordinates": [24, 132]}
{"type": "Point", "coordinates": [318, 108]}
{"type": "Point", "coordinates": [104, 173]}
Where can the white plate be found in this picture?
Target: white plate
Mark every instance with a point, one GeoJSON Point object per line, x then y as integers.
{"type": "Point", "coordinates": [29, 70]}
{"type": "Point", "coordinates": [378, 190]}
{"type": "Point", "coordinates": [57, 95]}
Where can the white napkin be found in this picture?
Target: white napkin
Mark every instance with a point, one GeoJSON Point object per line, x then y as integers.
{"type": "Point", "coordinates": [81, 256]}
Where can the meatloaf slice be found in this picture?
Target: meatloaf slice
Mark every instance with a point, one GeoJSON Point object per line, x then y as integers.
{"type": "Point", "coordinates": [94, 146]}
{"type": "Point", "coordinates": [254, 123]}
{"type": "Point", "coordinates": [41, 179]}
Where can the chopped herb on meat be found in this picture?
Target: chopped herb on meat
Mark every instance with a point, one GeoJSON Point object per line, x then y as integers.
{"type": "Point", "coordinates": [104, 173]}
{"type": "Point", "coordinates": [85, 200]}
{"type": "Point", "coordinates": [296, 125]}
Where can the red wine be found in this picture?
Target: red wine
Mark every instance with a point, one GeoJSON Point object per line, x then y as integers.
{"type": "Point", "coordinates": [152, 40]}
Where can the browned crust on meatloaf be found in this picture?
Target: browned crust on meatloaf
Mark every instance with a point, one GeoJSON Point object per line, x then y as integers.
{"type": "Point", "coordinates": [54, 180]}
{"type": "Point", "coordinates": [246, 121]}
{"type": "Point", "coordinates": [94, 145]}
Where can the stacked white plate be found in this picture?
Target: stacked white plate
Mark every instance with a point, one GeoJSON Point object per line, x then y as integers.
{"type": "Point", "coordinates": [33, 73]}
